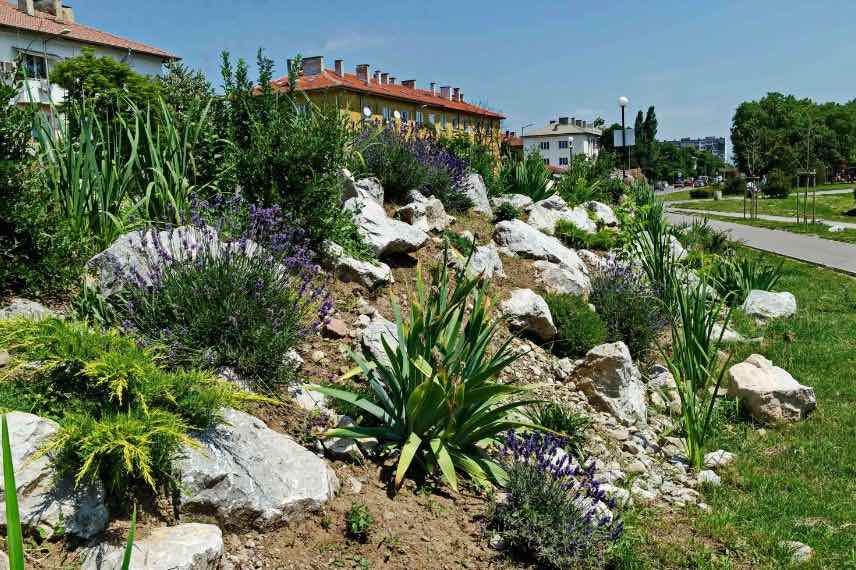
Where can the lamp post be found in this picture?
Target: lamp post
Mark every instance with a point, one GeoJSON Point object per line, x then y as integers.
{"type": "Point", "coordinates": [623, 102]}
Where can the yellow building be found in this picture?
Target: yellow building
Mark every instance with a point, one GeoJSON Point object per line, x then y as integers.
{"type": "Point", "coordinates": [379, 99]}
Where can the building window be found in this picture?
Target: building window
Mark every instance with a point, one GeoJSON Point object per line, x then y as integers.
{"type": "Point", "coordinates": [386, 114]}
{"type": "Point", "coordinates": [418, 117]}
{"type": "Point", "coordinates": [547, 161]}
{"type": "Point", "coordinates": [563, 144]}
{"type": "Point", "coordinates": [545, 145]}
{"type": "Point", "coordinates": [443, 120]}
{"type": "Point", "coordinates": [35, 66]}
{"type": "Point", "coordinates": [455, 121]}
{"type": "Point", "coordinates": [563, 161]}
{"type": "Point", "coordinates": [431, 118]}
{"type": "Point", "coordinates": [405, 116]}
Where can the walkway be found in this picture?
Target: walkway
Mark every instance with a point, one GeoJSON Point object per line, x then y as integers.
{"type": "Point", "coordinates": [785, 219]}
{"type": "Point", "coordinates": [832, 254]}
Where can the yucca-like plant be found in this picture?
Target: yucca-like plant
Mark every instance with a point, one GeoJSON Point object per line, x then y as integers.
{"type": "Point", "coordinates": [530, 177]}
{"type": "Point", "coordinates": [91, 171]}
{"type": "Point", "coordinates": [436, 393]}
{"type": "Point", "coordinates": [695, 364]}
{"type": "Point", "coordinates": [652, 245]}
{"type": "Point", "coordinates": [735, 278]}
{"type": "Point", "coordinates": [14, 532]}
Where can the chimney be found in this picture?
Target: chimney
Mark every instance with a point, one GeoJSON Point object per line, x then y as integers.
{"type": "Point", "coordinates": [377, 76]}
{"type": "Point", "coordinates": [26, 6]}
{"type": "Point", "coordinates": [409, 83]}
{"type": "Point", "coordinates": [392, 80]}
{"type": "Point", "coordinates": [384, 78]}
{"type": "Point", "coordinates": [340, 67]}
{"type": "Point", "coordinates": [313, 65]}
{"type": "Point", "coordinates": [446, 91]}
{"type": "Point", "coordinates": [456, 94]}
{"type": "Point", "coordinates": [433, 88]}
{"type": "Point", "coordinates": [363, 72]}
{"type": "Point", "coordinates": [56, 6]}
{"type": "Point", "coordinates": [563, 120]}
{"type": "Point", "coordinates": [461, 96]}
{"type": "Point", "coordinates": [552, 122]}
{"type": "Point", "coordinates": [68, 14]}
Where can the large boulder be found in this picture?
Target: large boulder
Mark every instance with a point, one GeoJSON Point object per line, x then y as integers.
{"type": "Point", "coordinates": [427, 214]}
{"type": "Point", "coordinates": [612, 383]}
{"type": "Point", "coordinates": [544, 215]}
{"type": "Point", "coordinates": [474, 187]}
{"type": "Point", "coordinates": [555, 278]}
{"type": "Point", "coordinates": [527, 312]}
{"type": "Point", "coordinates": [366, 188]}
{"type": "Point", "coordinates": [188, 546]}
{"type": "Point", "coordinates": [248, 475]}
{"type": "Point", "coordinates": [484, 262]}
{"type": "Point", "coordinates": [519, 201]}
{"type": "Point", "coordinates": [369, 274]}
{"type": "Point", "coordinates": [376, 330]}
{"type": "Point", "coordinates": [769, 393]}
{"type": "Point", "coordinates": [135, 257]}
{"type": "Point", "coordinates": [769, 305]}
{"type": "Point", "coordinates": [602, 213]}
{"type": "Point", "coordinates": [47, 504]}
{"type": "Point", "coordinates": [519, 238]}
{"type": "Point", "coordinates": [385, 235]}
{"type": "Point", "coordinates": [24, 308]}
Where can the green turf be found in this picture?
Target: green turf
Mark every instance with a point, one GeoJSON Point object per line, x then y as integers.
{"type": "Point", "coordinates": [827, 208]}
{"type": "Point", "coordinates": [819, 230]}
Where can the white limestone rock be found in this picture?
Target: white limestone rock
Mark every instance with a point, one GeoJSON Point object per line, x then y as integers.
{"type": "Point", "coordinates": [602, 213]}
{"type": "Point", "coordinates": [369, 274]}
{"type": "Point", "coordinates": [613, 383]}
{"type": "Point", "coordinates": [558, 279]}
{"type": "Point", "coordinates": [799, 552]}
{"type": "Point", "coordinates": [425, 213]}
{"type": "Point", "coordinates": [521, 239]}
{"type": "Point", "coordinates": [366, 188]}
{"type": "Point", "coordinates": [385, 235]}
{"type": "Point", "coordinates": [24, 308]}
{"type": "Point", "coordinates": [485, 262]}
{"type": "Point", "coordinates": [378, 329]}
{"type": "Point", "coordinates": [544, 215]}
{"type": "Point", "coordinates": [247, 475]}
{"type": "Point", "coordinates": [47, 505]}
{"type": "Point", "coordinates": [769, 393]}
{"type": "Point", "coordinates": [188, 546]}
{"type": "Point", "coordinates": [519, 201]}
{"type": "Point", "coordinates": [718, 458]}
{"type": "Point", "coordinates": [768, 305]}
{"type": "Point", "coordinates": [474, 187]}
{"type": "Point", "coordinates": [528, 313]}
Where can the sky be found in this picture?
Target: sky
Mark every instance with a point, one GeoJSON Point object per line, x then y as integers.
{"type": "Point", "coordinates": [532, 60]}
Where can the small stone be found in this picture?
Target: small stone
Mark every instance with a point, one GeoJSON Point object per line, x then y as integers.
{"type": "Point", "coordinates": [618, 434]}
{"type": "Point", "coordinates": [630, 447]}
{"type": "Point", "coordinates": [363, 321]}
{"type": "Point", "coordinates": [636, 468]}
{"type": "Point", "coordinates": [704, 507]}
{"type": "Point", "coordinates": [335, 328]}
{"type": "Point", "coordinates": [708, 477]}
{"type": "Point", "coordinates": [799, 552]}
{"type": "Point", "coordinates": [718, 458]}
{"type": "Point", "coordinates": [4, 358]}
{"type": "Point", "coordinates": [354, 485]}
{"type": "Point", "coordinates": [317, 356]}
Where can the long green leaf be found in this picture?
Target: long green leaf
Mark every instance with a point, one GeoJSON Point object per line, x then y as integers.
{"type": "Point", "coordinates": [129, 546]}
{"type": "Point", "coordinates": [408, 452]}
{"type": "Point", "coordinates": [14, 535]}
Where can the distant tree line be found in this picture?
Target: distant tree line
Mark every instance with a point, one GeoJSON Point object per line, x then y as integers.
{"type": "Point", "coordinates": [781, 132]}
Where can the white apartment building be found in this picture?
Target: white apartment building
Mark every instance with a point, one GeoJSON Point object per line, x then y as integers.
{"type": "Point", "coordinates": [562, 140]}
{"type": "Point", "coordinates": [40, 33]}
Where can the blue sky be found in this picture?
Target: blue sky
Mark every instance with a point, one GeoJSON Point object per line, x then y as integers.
{"type": "Point", "coordinates": [533, 60]}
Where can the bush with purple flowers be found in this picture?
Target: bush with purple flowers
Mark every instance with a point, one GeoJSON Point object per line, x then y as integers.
{"type": "Point", "coordinates": [404, 161]}
{"type": "Point", "coordinates": [554, 512]}
{"type": "Point", "coordinates": [240, 300]}
{"type": "Point", "coordinates": [630, 308]}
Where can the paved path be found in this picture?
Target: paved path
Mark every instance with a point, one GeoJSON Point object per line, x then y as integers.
{"type": "Point", "coordinates": [833, 254]}
{"type": "Point", "coordinates": [786, 219]}
{"type": "Point", "coordinates": [819, 193]}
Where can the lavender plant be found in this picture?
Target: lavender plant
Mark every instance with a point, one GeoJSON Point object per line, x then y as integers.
{"type": "Point", "coordinates": [239, 294]}
{"type": "Point", "coordinates": [554, 512]}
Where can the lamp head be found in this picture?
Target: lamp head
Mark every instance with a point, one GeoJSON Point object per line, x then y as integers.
{"type": "Point", "coordinates": [623, 101]}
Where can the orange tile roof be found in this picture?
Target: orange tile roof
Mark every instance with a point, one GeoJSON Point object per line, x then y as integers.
{"type": "Point", "coordinates": [45, 23]}
{"type": "Point", "coordinates": [349, 81]}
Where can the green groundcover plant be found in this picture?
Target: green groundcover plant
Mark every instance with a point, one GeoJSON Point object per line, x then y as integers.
{"type": "Point", "coordinates": [123, 419]}
{"type": "Point", "coordinates": [437, 397]}
{"type": "Point", "coordinates": [579, 328]}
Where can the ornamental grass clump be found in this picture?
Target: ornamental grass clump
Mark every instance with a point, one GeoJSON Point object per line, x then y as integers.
{"type": "Point", "coordinates": [240, 301]}
{"type": "Point", "coordinates": [123, 418]}
{"type": "Point", "coordinates": [734, 278]}
{"type": "Point", "coordinates": [437, 398]}
{"type": "Point", "coordinates": [695, 364]}
{"type": "Point", "coordinates": [554, 512]}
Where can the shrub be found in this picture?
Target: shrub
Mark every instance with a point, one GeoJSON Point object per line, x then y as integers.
{"type": "Point", "coordinates": [701, 193]}
{"type": "Point", "coordinates": [700, 236]}
{"type": "Point", "coordinates": [555, 513]}
{"type": "Point", "coordinates": [233, 304]}
{"type": "Point", "coordinates": [579, 328]}
{"type": "Point", "coordinates": [602, 240]}
{"type": "Point", "coordinates": [570, 424]}
{"type": "Point", "coordinates": [504, 212]}
{"type": "Point", "coordinates": [778, 185]}
{"type": "Point", "coordinates": [629, 307]}
{"type": "Point", "coordinates": [359, 521]}
{"type": "Point", "coordinates": [695, 364]}
{"type": "Point", "coordinates": [734, 186]}
{"type": "Point", "coordinates": [588, 180]}
{"type": "Point", "coordinates": [571, 235]}
{"type": "Point", "coordinates": [478, 155]}
{"type": "Point", "coordinates": [123, 418]}
{"type": "Point", "coordinates": [459, 242]}
{"type": "Point", "coordinates": [735, 278]}
{"type": "Point", "coordinates": [440, 372]}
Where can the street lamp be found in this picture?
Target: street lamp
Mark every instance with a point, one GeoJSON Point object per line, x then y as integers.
{"type": "Point", "coordinates": [623, 102]}
{"type": "Point", "coordinates": [524, 128]}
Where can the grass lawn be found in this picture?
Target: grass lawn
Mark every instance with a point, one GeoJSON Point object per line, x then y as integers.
{"type": "Point", "coordinates": [685, 194]}
{"type": "Point", "coordinates": [828, 207]}
{"type": "Point", "coordinates": [791, 483]}
{"type": "Point", "coordinates": [819, 230]}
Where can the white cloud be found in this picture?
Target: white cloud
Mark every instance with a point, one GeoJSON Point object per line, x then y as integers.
{"type": "Point", "coordinates": [351, 41]}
